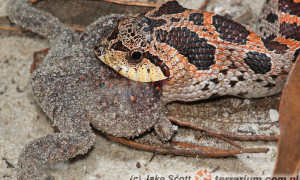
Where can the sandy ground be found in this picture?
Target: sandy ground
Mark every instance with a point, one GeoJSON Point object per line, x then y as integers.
{"type": "Point", "coordinates": [21, 120]}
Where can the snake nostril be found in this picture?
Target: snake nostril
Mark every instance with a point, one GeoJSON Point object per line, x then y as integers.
{"type": "Point", "coordinates": [99, 50]}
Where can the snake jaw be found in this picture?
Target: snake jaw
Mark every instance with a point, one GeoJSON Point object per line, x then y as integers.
{"type": "Point", "coordinates": [142, 72]}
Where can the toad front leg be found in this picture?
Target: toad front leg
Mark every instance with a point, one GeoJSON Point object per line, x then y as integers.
{"type": "Point", "coordinates": [164, 128]}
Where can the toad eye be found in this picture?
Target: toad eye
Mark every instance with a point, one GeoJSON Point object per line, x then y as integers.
{"type": "Point", "coordinates": [135, 56]}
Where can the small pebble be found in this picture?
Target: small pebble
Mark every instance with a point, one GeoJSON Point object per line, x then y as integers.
{"type": "Point", "coordinates": [20, 88]}
{"type": "Point", "coordinates": [174, 128]}
{"type": "Point", "coordinates": [274, 115]}
{"type": "Point", "coordinates": [272, 154]}
{"type": "Point", "coordinates": [247, 101]}
{"type": "Point", "coordinates": [198, 134]}
{"type": "Point", "coordinates": [226, 114]}
{"type": "Point", "coordinates": [138, 165]}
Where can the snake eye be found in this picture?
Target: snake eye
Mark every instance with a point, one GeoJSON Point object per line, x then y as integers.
{"type": "Point", "coordinates": [135, 56]}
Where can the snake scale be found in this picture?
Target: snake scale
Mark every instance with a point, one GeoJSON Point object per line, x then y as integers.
{"type": "Point", "coordinates": [195, 55]}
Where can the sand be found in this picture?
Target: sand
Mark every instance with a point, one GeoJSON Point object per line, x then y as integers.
{"type": "Point", "coordinates": [21, 121]}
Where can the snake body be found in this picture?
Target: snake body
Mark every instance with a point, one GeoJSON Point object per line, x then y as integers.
{"type": "Point", "coordinates": [196, 55]}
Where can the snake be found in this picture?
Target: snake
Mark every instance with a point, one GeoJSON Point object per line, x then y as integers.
{"type": "Point", "coordinates": [195, 55]}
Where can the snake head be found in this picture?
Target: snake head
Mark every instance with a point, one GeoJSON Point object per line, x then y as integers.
{"type": "Point", "coordinates": [126, 50]}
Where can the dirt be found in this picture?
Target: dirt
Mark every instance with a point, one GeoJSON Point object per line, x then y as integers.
{"type": "Point", "coordinates": [22, 120]}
